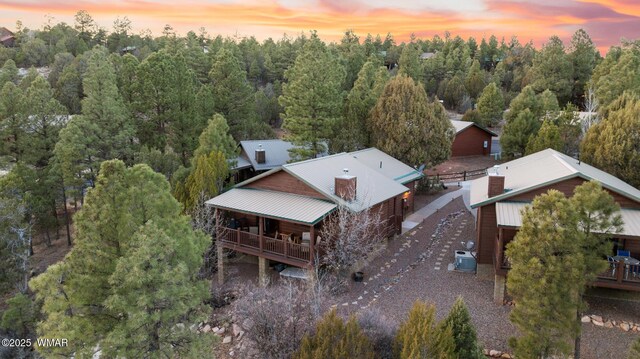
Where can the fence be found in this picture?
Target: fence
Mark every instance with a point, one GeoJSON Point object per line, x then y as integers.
{"type": "Point", "coordinates": [428, 183]}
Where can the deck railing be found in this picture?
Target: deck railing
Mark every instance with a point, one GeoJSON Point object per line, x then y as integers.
{"type": "Point", "coordinates": [621, 273]}
{"type": "Point", "coordinates": [255, 242]}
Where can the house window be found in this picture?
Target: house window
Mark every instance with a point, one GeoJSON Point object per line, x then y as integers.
{"type": "Point", "coordinates": [485, 144]}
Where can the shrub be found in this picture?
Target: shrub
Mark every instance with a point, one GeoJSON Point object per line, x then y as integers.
{"type": "Point", "coordinates": [279, 317]}
{"type": "Point", "coordinates": [336, 339]}
{"type": "Point", "coordinates": [464, 334]}
{"type": "Point", "coordinates": [420, 337]}
{"type": "Point", "coordinates": [380, 331]}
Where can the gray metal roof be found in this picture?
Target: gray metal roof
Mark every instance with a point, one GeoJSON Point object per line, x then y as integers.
{"type": "Point", "coordinates": [509, 214]}
{"type": "Point", "coordinates": [463, 125]}
{"type": "Point", "coordinates": [276, 153]}
{"type": "Point", "coordinates": [241, 163]}
{"type": "Point", "coordinates": [279, 205]}
{"type": "Point", "coordinates": [544, 168]}
{"type": "Point", "coordinates": [372, 186]}
{"type": "Point", "coordinates": [386, 165]}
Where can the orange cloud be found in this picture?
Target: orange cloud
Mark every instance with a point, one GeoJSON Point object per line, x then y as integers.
{"type": "Point", "coordinates": [627, 7]}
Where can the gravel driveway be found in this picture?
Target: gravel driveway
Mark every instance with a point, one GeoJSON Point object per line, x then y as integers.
{"type": "Point", "coordinates": [414, 266]}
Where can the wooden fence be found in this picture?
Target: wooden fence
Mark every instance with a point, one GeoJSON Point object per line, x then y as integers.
{"type": "Point", "coordinates": [458, 176]}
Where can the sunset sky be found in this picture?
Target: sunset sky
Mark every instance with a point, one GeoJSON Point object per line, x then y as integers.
{"type": "Point", "coordinates": [605, 20]}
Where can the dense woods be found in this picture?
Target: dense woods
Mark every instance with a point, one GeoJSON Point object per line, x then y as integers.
{"type": "Point", "coordinates": [146, 128]}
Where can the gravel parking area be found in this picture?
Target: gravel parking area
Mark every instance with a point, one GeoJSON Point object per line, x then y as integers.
{"type": "Point", "coordinates": [414, 266]}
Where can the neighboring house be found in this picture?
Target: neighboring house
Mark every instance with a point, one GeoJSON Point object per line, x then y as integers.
{"type": "Point", "coordinates": [471, 139]}
{"type": "Point", "coordinates": [258, 156]}
{"type": "Point", "coordinates": [7, 38]}
{"type": "Point", "coordinates": [427, 55]}
{"type": "Point", "coordinates": [277, 215]}
{"type": "Point", "coordinates": [501, 196]}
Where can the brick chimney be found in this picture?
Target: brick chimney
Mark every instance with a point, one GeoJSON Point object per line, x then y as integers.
{"type": "Point", "coordinates": [345, 185]}
{"type": "Point", "coordinates": [261, 155]}
{"type": "Point", "coordinates": [496, 182]}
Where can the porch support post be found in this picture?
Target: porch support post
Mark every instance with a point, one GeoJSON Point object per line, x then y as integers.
{"type": "Point", "coordinates": [263, 280]}
{"type": "Point", "coordinates": [500, 249]}
{"type": "Point", "coordinates": [261, 232]}
{"type": "Point", "coordinates": [312, 244]}
{"type": "Point", "coordinates": [220, 256]}
{"type": "Point", "coordinates": [499, 288]}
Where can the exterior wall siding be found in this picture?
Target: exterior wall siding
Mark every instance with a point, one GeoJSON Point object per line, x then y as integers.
{"type": "Point", "coordinates": [470, 142]}
{"type": "Point", "coordinates": [487, 231]}
{"type": "Point", "coordinates": [567, 188]}
{"type": "Point", "coordinates": [284, 182]}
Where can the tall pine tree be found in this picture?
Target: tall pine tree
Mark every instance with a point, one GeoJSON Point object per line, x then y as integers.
{"type": "Point", "coordinates": [130, 285]}
{"type": "Point", "coordinates": [312, 98]}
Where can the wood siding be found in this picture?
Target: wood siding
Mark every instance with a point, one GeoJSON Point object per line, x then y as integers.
{"type": "Point", "coordinates": [284, 182]}
{"type": "Point", "coordinates": [487, 232]}
{"type": "Point", "coordinates": [567, 188]}
{"type": "Point", "coordinates": [470, 142]}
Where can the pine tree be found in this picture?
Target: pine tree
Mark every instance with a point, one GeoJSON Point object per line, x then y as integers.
{"type": "Point", "coordinates": [552, 69]}
{"type": "Point", "coordinates": [129, 224]}
{"type": "Point", "coordinates": [516, 134]}
{"type": "Point", "coordinates": [491, 105]}
{"type": "Point", "coordinates": [540, 250]}
{"type": "Point", "coordinates": [526, 99]}
{"type": "Point", "coordinates": [206, 178]}
{"type": "Point", "coordinates": [407, 126]}
{"type": "Point", "coordinates": [19, 316]}
{"type": "Point", "coordinates": [104, 131]}
{"type": "Point", "coordinates": [335, 339]}
{"type": "Point", "coordinates": [216, 137]}
{"type": "Point", "coordinates": [354, 133]}
{"type": "Point", "coordinates": [312, 99]}
{"type": "Point", "coordinates": [547, 137]}
{"type": "Point", "coordinates": [558, 251]}
{"type": "Point", "coordinates": [583, 56]}
{"type": "Point", "coordinates": [548, 103]}
{"type": "Point", "coordinates": [9, 73]}
{"type": "Point", "coordinates": [464, 334]}
{"type": "Point", "coordinates": [474, 82]}
{"type": "Point", "coordinates": [233, 96]}
{"type": "Point", "coordinates": [12, 118]}
{"type": "Point", "coordinates": [612, 144]}
{"type": "Point", "coordinates": [409, 62]}
{"type": "Point", "coordinates": [420, 337]}
{"type": "Point", "coordinates": [166, 88]}
{"type": "Point", "coordinates": [454, 93]}
{"type": "Point", "coordinates": [618, 73]}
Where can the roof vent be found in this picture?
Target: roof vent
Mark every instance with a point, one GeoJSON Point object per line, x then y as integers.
{"type": "Point", "coordinates": [345, 185]}
{"type": "Point", "coordinates": [261, 156]}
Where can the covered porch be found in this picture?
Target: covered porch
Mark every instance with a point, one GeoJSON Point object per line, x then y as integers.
{"type": "Point", "coordinates": [624, 264]}
{"type": "Point", "coordinates": [271, 225]}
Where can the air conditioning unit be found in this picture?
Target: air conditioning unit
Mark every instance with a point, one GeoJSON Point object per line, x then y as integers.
{"type": "Point", "coordinates": [464, 261]}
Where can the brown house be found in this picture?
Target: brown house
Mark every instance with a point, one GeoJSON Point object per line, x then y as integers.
{"type": "Point", "coordinates": [277, 215]}
{"type": "Point", "coordinates": [471, 139]}
{"type": "Point", "coordinates": [502, 195]}
{"type": "Point", "coordinates": [7, 38]}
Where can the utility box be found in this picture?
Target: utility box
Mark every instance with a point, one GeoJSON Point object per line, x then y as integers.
{"type": "Point", "coordinates": [464, 261]}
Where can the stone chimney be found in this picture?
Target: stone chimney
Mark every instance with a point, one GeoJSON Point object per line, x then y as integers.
{"type": "Point", "coordinates": [345, 185]}
{"type": "Point", "coordinates": [261, 155]}
{"type": "Point", "coordinates": [496, 182]}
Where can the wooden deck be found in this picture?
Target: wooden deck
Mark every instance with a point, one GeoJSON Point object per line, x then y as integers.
{"type": "Point", "coordinates": [618, 276]}
{"type": "Point", "coordinates": [271, 248]}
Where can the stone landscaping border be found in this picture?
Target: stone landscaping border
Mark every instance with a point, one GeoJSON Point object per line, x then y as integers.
{"type": "Point", "coordinates": [600, 322]}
